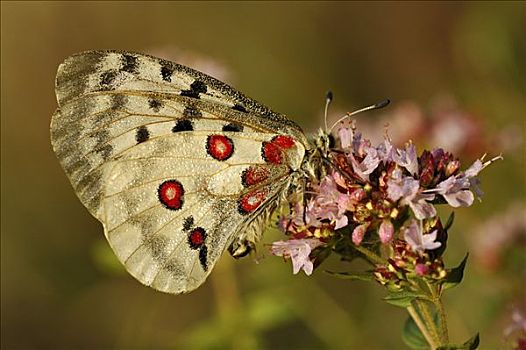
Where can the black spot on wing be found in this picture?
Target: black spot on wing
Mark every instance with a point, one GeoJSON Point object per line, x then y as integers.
{"type": "Point", "coordinates": [102, 136]}
{"type": "Point", "coordinates": [240, 108]}
{"type": "Point", "coordinates": [203, 257]}
{"type": "Point", "coordinates": [192, 112]}
{"type": "Point", "coordinates": [188, 223]}
{"type": "Point", "coordinates": [142, 134]}
{"type": "Point", "coordinates": [167, 71]}
{"type": "Point", "coordinates": [129, 63]}
{"type": "Point", "coordinates": [118, 101]}
{"type": "Point", "coordinates": [183, 125]}
{"type": "Point", "coordinates": [107, 78]}
{"type": "Point", "coordinates": [196, 88]}
{"type": "Point", "coordinates": [105, 151]}
{"type": "Point", "coordinates": [155, 104]}
{"type": "Point", "coordinates": [233, 127]}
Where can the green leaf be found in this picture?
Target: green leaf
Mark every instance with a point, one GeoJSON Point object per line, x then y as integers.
{"type": "Point", "coordinates": [402, 299]}
{"type": "Point", "coordinates": [455, 275]}
{"type": "Point", "coordinates": [412, 336]}
{"type": "Point", "coordinates": [450, 220]}
{"type": "Point", "coordinates": [471, 344]}
{"type": "Point", "coordinates": [352, 276]}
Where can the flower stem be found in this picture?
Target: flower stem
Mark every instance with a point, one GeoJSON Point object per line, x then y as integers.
{"type": "Point", "coordinates": [372, 257]}
{"type": "Point", "coordinates": [443, 330]}
{"type": "Point", "coordinates": [428, 317]}
{"type": "Point", "coordinates": [443, 324]}
{"type": "Point", "coordinates": [422, 327]}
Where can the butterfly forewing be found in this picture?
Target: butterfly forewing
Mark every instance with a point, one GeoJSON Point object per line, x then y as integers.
{"type": "Point", "coordinates": [175, 164]}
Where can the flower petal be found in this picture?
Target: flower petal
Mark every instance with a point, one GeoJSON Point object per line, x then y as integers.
{"type": "Point", "coordinates": [386, 231]}
{"type": "Point", "coordinates": [298, 250]}
{"type": "Point", "coordinates": [358, 233]}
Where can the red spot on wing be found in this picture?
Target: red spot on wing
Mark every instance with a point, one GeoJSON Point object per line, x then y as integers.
{"type": "Point", "coordinates": [283, 141]}
{"type": "Point", "coordinates": [251, 201]}
{"type": "Point", "coordinates": [254, 175]}
{"type": "Point", "coordinates": [219, 147]}
{"type": "Point", "coordinates": [197, 237]}
{"type": "Point", "coordinates": [272, 151]}
{"type": "Point", "coordinates": [171, 193]}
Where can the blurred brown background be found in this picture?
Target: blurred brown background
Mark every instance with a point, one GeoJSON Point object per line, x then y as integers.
{"type": "Point", "coordinates": [444, 65]}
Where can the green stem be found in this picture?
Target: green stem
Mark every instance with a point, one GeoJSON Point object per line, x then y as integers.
{"type": "Point", "coordinates": [372, 257]}
{"type": "Point", "coordinates": [444, 336]}
{"type": "Point", "coordinates": [443, 323]}
{"type": "Point", "coordinates": [421, 326]}
{"type": "Point", "coordinates": [427, 317]}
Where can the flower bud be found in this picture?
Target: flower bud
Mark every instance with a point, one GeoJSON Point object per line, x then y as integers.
{"type": "Point", "coordinates": [386, 231]}
{"type": "Point", "coordinates": [358, 233]}
{"type": "Point", "coordinates": [452, 167]}
{"type": "Point", "coordinates": [421, 269]}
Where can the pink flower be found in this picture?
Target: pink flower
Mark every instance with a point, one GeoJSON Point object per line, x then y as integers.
{"type": "Point", "coordinates": [456, 189]}
{"type": "Point", "coordinates": [330, 203]}
{"type": "Point", "coordinates": [386, 150]}
{"type": "Point", "coordinates": [368, 164]}
{"type": "Point", "coordinates": [346, 136]}
{"type": "Point", "coordinates": [407, 189]}
{"type": "Point", "coordinates": [418, 241]}
{"type": "Point", "coordinates": [358, 233]}
{"type": "Point", "coordinates": [407, 158]}
{"type": "Point", "coordinates": [421, 269]}
{"type": "Point", "coordinates": [518, 322]}
{"type": "Point", "coordinates": [386, 231]}
{"type": "Point", "coordinates": [298, 250]}
{"type": "Point", "coordinates": [339, 179]}
{"type": "Point", "coordinates": [296, 219]}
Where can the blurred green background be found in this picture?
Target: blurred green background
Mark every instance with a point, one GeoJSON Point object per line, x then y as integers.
{"type": "Point", "coordinates": [460, 62]}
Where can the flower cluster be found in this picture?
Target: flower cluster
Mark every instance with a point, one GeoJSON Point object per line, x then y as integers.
{"type": "Point", "coordinates": [379, 196]}
{"type": "Point", "coordinates": [410, 259]}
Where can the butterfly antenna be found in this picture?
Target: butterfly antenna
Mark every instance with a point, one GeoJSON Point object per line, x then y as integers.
{"type": "Point", "coordinates": [377, 105]}
{"type": "Point", "coordinates": [328, 100]}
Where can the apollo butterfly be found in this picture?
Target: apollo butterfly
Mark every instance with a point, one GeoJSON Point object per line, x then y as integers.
{"type": "Point", "coordinates": [176, 165]}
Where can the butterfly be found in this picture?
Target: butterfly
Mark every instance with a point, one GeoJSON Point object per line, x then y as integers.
{"type": "Point", "coordinates": [176, 165]}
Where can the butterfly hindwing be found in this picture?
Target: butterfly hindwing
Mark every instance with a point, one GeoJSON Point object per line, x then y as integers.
{"type": "Point", "coordinates": [175, 170]}
{"type": "Point", "coordinates": [168, 221]}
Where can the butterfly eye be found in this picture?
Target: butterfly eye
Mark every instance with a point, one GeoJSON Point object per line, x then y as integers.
{"type": "Point", "coordinates": [332, 142]}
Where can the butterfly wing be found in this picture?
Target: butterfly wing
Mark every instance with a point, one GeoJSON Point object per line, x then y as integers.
{"type": "Point", "coordinates": [175, 164]}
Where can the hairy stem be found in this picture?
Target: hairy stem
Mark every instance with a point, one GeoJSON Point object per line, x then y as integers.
{"type": "Point", "coordinates": [422, 327]}
{"type": "Point", "coordinates": [427, 317]}
{"type": "Point", "coordinates": [443, 330]}
{"type": "Point", "coordinates": [443, 324]}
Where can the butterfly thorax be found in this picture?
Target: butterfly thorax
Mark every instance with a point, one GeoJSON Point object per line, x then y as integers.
{"type": "Point", "coordinates": [315, 161]}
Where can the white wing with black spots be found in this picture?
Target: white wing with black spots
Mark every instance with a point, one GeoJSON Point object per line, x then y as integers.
{"type": "Point", "coordinates": [175, 164]}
